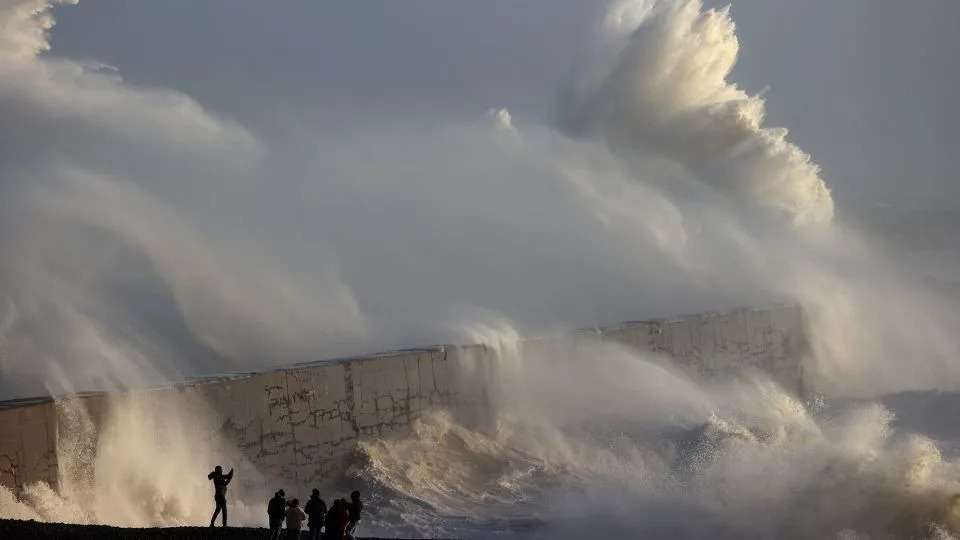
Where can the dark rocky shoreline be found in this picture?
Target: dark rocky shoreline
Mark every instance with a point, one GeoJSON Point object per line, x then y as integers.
{"type": "Point", "coordinates": [35, 530]}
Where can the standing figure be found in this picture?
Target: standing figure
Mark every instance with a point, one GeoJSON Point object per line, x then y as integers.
{"type": "Point", "coordinates": [316, 509]}
{"type": "Point", "coordinates": [220, 482]}
{"type": "Point", "coordinates": [336, 521]}
{"type": "Point", "coordinates": [276, 511]}
{"type": "Point", "coordinates": [353, 509]}
{"type": "Point", "coordinates": [295, 519]}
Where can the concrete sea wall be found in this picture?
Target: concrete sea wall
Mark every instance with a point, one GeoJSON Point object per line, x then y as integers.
{"type": "Point", "coordinates": [299, 424]}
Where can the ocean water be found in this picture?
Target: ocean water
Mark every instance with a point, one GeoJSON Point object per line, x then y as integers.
{"type": "Point", "coordinates": [851, 471]}
{"type": "Point", "coordinates": [655, 454]}
{"type": "Point", "coordinates": [146, 239]}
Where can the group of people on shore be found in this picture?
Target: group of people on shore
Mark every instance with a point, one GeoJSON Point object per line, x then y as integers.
{"type": "Point", "coordinates": [338, 522]}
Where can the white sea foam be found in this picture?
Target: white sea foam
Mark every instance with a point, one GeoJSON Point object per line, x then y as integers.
{"type": "Point", "coordinates": [737, 459]}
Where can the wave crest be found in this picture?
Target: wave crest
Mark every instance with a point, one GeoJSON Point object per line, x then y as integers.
{"type": "Point", "coordinates": [659, 86]}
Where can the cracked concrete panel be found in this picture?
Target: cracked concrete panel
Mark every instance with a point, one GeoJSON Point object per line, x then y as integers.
{"type": "Point", "coordinates": [778, 340]}
{"type": "Point", "coordinates": [331, 414]}
{"type": "Point", "coordinates": [225, 416]}
{"type": "Point", "coordinates": [320, 429]}
{"type": "Point", "coordinates": [789, 321]}
{"type": "Point", "coordinates": [394, 405]}
{"type": "Point", "coordinates": [730, 330]}
{"type": "Point", "coordinates": [411, 374]}
{"type": "Point", "coordinates": [681, 341]}
{"type": "Point", "coordinates": [441, 380]}
{"type": "Point", "coordinates": [706, 342]}
{"type": "Point", "coordinates": [788, 357]}
{"type": "Point", "coordinates": [11, 449]}
{"type": "Point", "coordinates": [275, 448]}
{"type": "Point", "coordinates": [303, 438]}
{"type": "Point", "coordinates": [762, 338]}
{"type": "Point", "coordinates": [427, 377]}
{"type": "Point", "coordinates": [330, 423]}
{"type": "Point", "coordinates": [28, 446]}
{"type": "Point", "coordinates": [40, 445]}
{"type": "Point", "coordinates": [366, 372]}
{"type": "Point", "coordinates": [40, 449]}
{"type": "Point", "coordinates": [245, 413]}
{"type": "Point", "coordinates": [385, 404]}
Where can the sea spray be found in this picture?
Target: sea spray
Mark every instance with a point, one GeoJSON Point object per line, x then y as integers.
{"type": "Point", "coordinates": [726, 458]}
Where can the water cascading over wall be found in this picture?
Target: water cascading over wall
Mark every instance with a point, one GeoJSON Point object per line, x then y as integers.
{"type": "Point", "coordinates": [299, 424]}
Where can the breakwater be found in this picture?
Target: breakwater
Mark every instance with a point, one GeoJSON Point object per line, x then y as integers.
{"type": "Point", "coordinates": [298, 424]}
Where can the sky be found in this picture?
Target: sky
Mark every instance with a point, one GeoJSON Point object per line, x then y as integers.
{"type": "Point", "coordinates": [865, 86]}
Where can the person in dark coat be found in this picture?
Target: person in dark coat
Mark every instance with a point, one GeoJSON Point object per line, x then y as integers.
{"type": "Point", "coordinates": [276, 511]}
{"type": "Point", "coordinates": [353, 510]}
{"type": "Point", "coordinates": [220, 482]}
{"type": "Point", "coordinates": [316, 510]}
{"type": "Point", "coordinates": [336, 521]}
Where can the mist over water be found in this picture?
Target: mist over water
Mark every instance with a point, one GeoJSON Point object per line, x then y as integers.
{"type": "Point", "coordinates": [143, 239]}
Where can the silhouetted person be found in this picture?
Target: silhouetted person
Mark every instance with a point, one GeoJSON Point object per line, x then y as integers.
{"type": "Point", "coordinates": [353, 509]}
{"type": "Point", "coordinates": [220, 482]}
{"type": "Point", "coordinates": [336, 521]}
{"type": "Point", "coordinates": [276, 511]}
{"type": "Point", "coordinates": [316, 510]}
{"type": "Point", "coordinates": [295, 519]}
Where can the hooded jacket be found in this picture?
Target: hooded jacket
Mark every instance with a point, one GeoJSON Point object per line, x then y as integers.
{"type": "Point", "coordinates": [276, 508]}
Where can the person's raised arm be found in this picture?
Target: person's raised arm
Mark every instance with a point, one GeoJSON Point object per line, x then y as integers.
{"type": "Point", "coordinates": [229, 476]}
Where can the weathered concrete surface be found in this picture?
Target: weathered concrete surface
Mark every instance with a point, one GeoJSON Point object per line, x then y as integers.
{"type": "Point", "coordinates": [27, 444]}
{"type": "Point", "coordinates": [770, 340]}
{"type": "Point", "coordinates": [299, 424]}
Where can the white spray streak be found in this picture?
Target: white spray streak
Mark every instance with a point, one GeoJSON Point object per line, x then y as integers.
{"type": "Point", "coordinates": [659, 85]}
